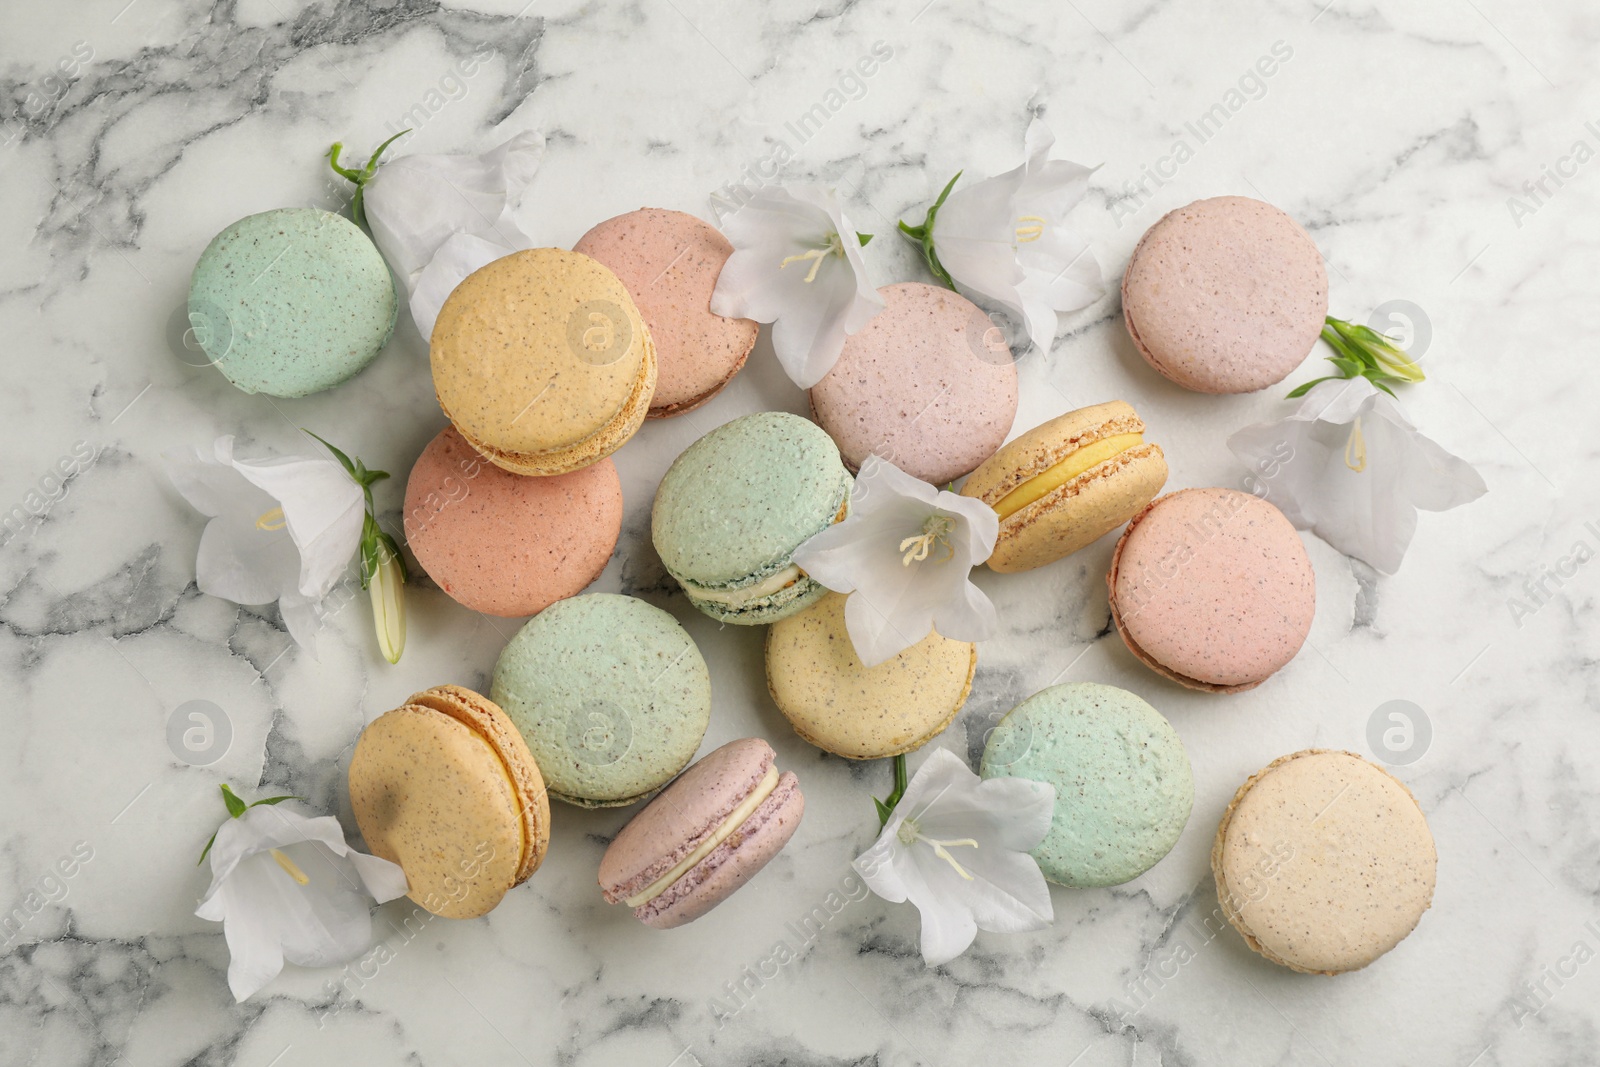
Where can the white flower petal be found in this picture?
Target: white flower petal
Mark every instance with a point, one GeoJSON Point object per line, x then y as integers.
{"type": "Point", "coordinates": [457, 257]}
{"type": "Point", "coordinates": [323, 509]}
{"type": "Point", "coordinates": [416, 205]}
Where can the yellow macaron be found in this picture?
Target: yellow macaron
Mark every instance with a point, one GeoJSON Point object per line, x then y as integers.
{"type": "Point", "coordinates": [542, 361]}
{"type": "Point", "coordinates": [842, 706]}
{"type": "Point", "coordinates": [445, 786]}
{"type": "Point", "coordinates": [1067, 482]}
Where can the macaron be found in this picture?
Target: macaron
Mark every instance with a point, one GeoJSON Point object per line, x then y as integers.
{"type": "Point", "coordinates": [444, 786]}
{"type": "Point", "coordinates": [928, 384]}
{"type": "Point", "coordinates": [504, 544]}
{"type": "Point", "coordinates": [291, 302]}
{"type": "Point", "coordinates": [1226, 295]}
{"type": "Point", "coordinates": [733, 508]}
{"type": "Point", "coordinates": [841, 706]}
{"type": "Point", "coordinates": [1066, 483]}
{"type": "Point", "coordinates": [1323, 862]}
{"type": "Point", "coordinates": [610, 694]}
{"type": "Point", "coordinates": [707, 834]}
{"type": "Point", "coordinates": [1212, 588]}
{"type": "Point", "coordinates": [1122, 780]}
{"type": "Point", "coordinates": [669, 262]}
{"type": "Point", "coordinates": [543, 362]}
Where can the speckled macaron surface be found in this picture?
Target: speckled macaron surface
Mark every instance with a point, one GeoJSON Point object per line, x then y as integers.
{"type": "Point", "coordinates": [610, 694]}
{"type": "Point", "coordinates": [1212, 588]}
{"type": "Point", "coordinates": [1122, 779]}
{"type": "Point", "coordinates": [925, 384]}
{"type": "Point", "coordinates": [844, 707]}
{"type": "Point", "coordinates": [445, 787]}
{"type": "Point", "coordinates": [734, 506]}
{"type": "Point", "coordinates": [292, 301]}
{"type": "Point", "coordinates": [1324, 862]}
{"type": "Point", "coordinates": [542, 361]}
{"type": "Point", "coordinates": [669, 262]}
{"type": "Point", "coordinates": [504, 544]}
{"type": "Point", "coordinates": [1226, 295]}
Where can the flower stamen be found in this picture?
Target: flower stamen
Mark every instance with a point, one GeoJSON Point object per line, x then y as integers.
{"type": "Point", "coordinates": [271, 520]}
{"type": "Point", "coordinates": [1031, 232]}
{"type": "Point", "coordinates": [910, 833]}
{"type": "Point", "coordinates": [1355, 448]}
{"type": "Point", "coordinates": [290, 868]}
{"type": "Point", "coordinates": [816, 256]}
{"type": "Point", "coordinates": [935, 531]}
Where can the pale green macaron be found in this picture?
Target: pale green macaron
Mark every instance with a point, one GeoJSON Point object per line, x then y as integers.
{"type": "Point", "coordinates": [291, 302]}
{"type": "Point", "coordinates": [1120, 772]}
{"type": "Point", "coordinates": [611, 695]}
{"type": "Point", "coordinates": [733, 508]}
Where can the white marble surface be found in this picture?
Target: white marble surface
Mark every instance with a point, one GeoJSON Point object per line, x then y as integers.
{"type": "Point", "coordinates": [1395, 132]}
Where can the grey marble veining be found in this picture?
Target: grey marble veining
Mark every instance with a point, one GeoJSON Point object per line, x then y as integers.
{"type": "Point", "coordinates": [1432, 149]}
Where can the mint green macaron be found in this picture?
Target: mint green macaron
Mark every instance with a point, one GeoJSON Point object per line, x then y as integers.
{"type": "Point", "coordinates": [291, 302]}
{"type": "Point", "coordinates": [1121, 775]}
{"type": "Point", "coordinates": [733, 508]}
{"type": "Point", "coordinates": [611, 695]}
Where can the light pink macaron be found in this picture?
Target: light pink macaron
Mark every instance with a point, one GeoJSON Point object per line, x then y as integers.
{"type": "Point", "coordinates": [505, 544]}
{"type": "Point", "coordinates": [1212, 588]}
{"type": "Point", "coordinates": [1226, 295]}
{"type": "Point", "coordinates": [669, 263]}
{"type": "Point", "coordinates": [927, 384]}
{"type": "Point", "coordinates": [704, 836]}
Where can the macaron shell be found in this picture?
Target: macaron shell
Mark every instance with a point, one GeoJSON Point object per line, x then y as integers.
{"type": "Point", "coordinates": [542, 361]}
{"type": "Point", "coordinates": [685, 814]}
{"type": "Point", "coordinates": [1212, 588]}
{"type": "Point", "coordinates": [1123, 784]}
{"type": "Point", "coordinates": [842, 706]}
{"type": "Point", "coordinates": [732, 863]}
{"type": "Point", "coordinates": [502, 543]}
{"type": "Point", "coordinates": [920, 385]}
{"type": "Point", "coordinates": [610, 694]}
{"type": "Point", "coordinates": [669, 262]}
{"type": "Point", "coordinates": [1225, 295]}
{"type": "Point", "coordinates": [430, 794]}
{"type": "Point", "coordinates": [291, 302]}
{"type": "Point", "coordinates": [734, 506]}
{"type": "Point", "coordinates": [1324, 862]}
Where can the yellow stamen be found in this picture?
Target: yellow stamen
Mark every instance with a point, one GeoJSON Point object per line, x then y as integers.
{"type": "Point", "coordinates": [1355, 448]}
{"type": "Point", "coordinates": [816, 256]}
{"type": "Point", "coordinates": [1030, 233]}
{"type": "Point", "coordinates": [290, 868]}
{"type": "Point", "coordinates": [936, 530]}
{"type": "Point", "coordinates": [271, 520]}
{"type": "Point", "coordinates": [910, 833]}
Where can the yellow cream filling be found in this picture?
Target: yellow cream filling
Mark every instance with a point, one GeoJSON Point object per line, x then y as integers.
{"type": "Point", "coordinates": [1064, 470]}
{"type": "Point", "coordinates": [709, 845]}
{"type": "Point", "coordinates": [745, 594]}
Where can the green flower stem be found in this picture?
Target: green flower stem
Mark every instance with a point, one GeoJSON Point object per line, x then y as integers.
{"type": "Point", "coordinates": [360, 177]}
{"type": "Point", "coordinates": [1362, 352]}
{"type": "Point", "coordinates": [886, 807]}
{"type": "Point", "coordinates": [923, 236]}
{"type": "Point", "coordinates": [237, 807]}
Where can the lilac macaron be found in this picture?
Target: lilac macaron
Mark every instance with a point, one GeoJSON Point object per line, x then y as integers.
{"type": "Point", "coordinates": [928, 384]}
{"type": "Point", "coordinates": [704, 836]}
{"type": "Point", "coordinates": [1226, 295]}
{"type": "Point", "coordinates": [1212, 588]}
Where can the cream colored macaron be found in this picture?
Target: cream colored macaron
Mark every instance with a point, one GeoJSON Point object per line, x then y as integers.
{"type": "Point", "coordinates": [1323, 861]}
{"type": "Point", "coordinates": [842, 706]}
{"type": "Point", "coordinates": [542, 361]}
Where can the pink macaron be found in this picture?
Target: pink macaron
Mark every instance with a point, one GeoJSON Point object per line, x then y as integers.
{"type": "Point", "coordinates": [928, 384]}
{"type": "Point", "coordinates": [1226, 295]}
{"type": "Point", "coordinates": [704, 836]}
{"type": "Point", "coordinates": [1212, 588]}
{"type": "Point", "coordinates": [669, 263]}
{"type": "Point", "coordinates": [502, 543]}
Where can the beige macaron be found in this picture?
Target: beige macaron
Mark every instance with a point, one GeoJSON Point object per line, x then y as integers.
{"type": "Point", "coordinates": [842, 706]}
{"type": "Point", "coordinates": [1066, 483]}
{"type": "Point", "coordinates": [1323, 861]}
{"type": "Point", "coordinates": [445, 786]}
{"type": "Point", "coordinates": [543, 362]}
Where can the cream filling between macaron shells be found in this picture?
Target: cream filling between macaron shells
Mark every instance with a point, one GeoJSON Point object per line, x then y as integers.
{"type": "Point", "coordinates": [1073, 465]}
{"type": "Point", "coordinates": [735, 819]}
